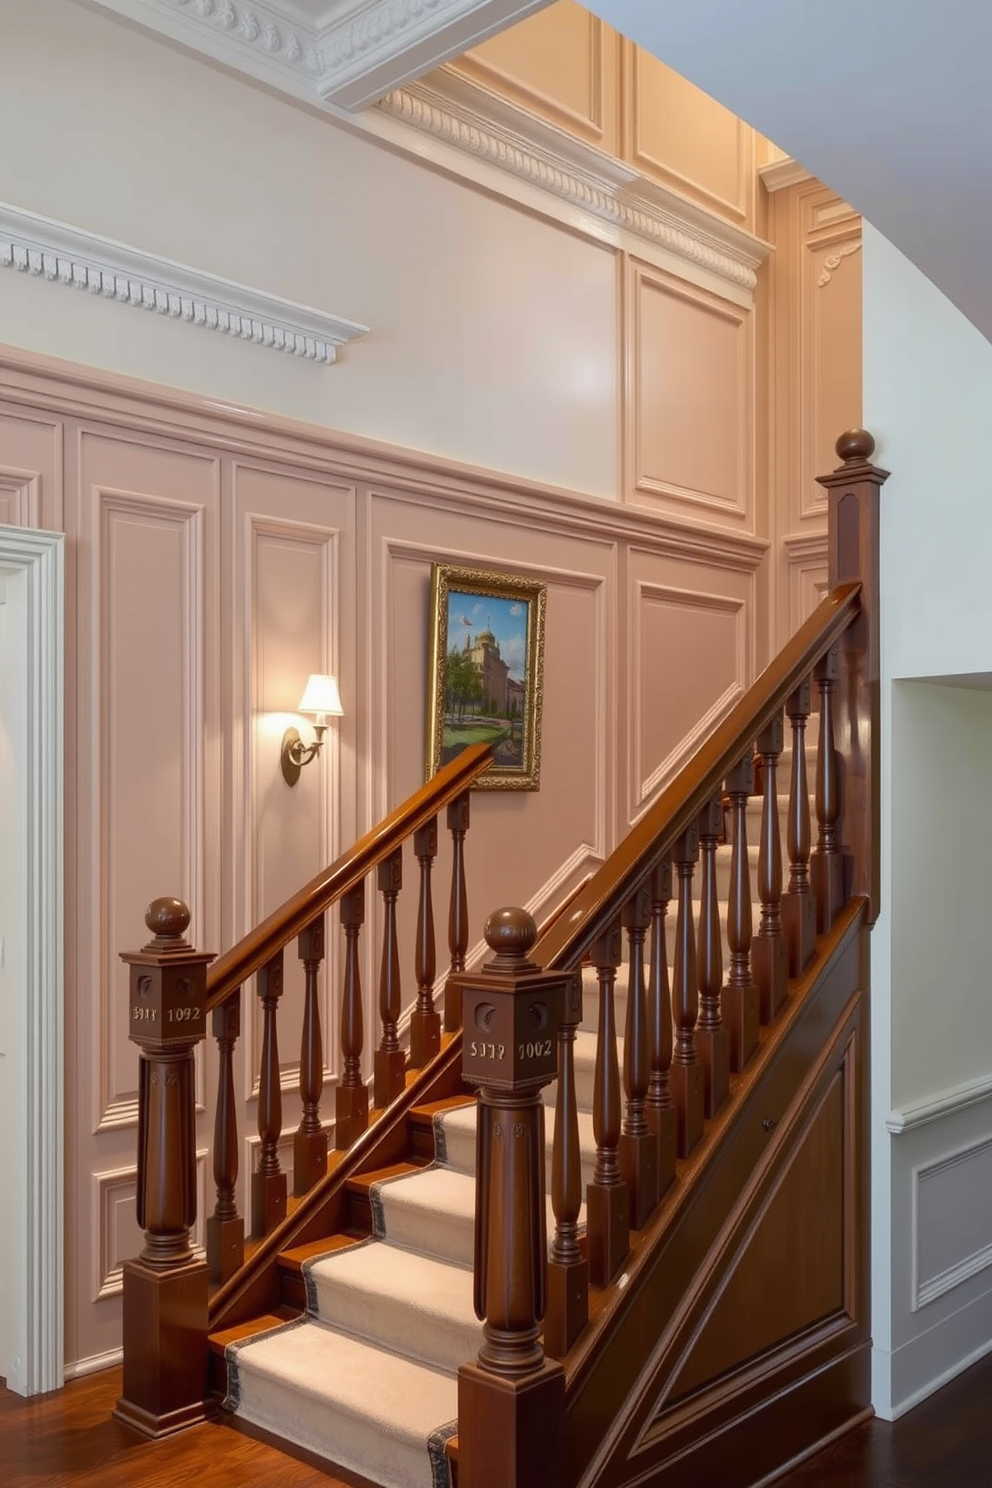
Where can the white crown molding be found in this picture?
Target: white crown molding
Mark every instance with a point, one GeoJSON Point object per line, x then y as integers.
{"type": "Point", "coordinates": [477, 122]}
{"type": "Point", "coordinates": [779, 175]}
{"type": "Point", "coordinates": [935, 1107]}
{"type": "Point", "coordinates": [67, 255]}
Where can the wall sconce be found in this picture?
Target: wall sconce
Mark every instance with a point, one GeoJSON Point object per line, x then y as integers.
{"type": "Point", "coordinates": [322, 699]}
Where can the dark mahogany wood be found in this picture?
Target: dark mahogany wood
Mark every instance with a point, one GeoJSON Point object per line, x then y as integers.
{"type": "Point", "coordinates": [712, 1039]}
{"type": "Point", "coordinates": [799, 903]}
{"type": "Point", "coordinates": [740, 995]}
{"type": "Point", "coordinates": [568, 1270]}
{"type": "Point", "coordinates": [165, 1289]}
{"type": "Point", "coordinates": [352, 1095]}
{"type": "Point", "coordinates": [853, 492]}
{"type": "Point", "coordinates": [686, 1074]}
{"type": "Point", "coordinates": [511, 1402]}
{"type": "Point", "coordinates": [226, 1226]}
{"type": "Point", "coordinates": [268, 1182]}
{"type": "Point", "coordinates": [638, 1144]}
{"type": "Point", "coordinates": [459, 817]}
{"type": "Point", "coordinates": [390, 1061]}
{"type": "Point", "coordinates": [607, 1199]}
{"type": "Point", "coordinates": [827, 865]}
{"type": "Point", "coordinates": [310, 1141]}
{"type": "Point", "coordinates": [769, 950]}
{"type": "Point", "coordinates": [661, 1113]}
{"type": "Point", "coordinates": [425, 1022]}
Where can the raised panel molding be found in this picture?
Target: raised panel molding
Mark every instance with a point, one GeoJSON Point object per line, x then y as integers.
{"type": "Point", "coordinates": [116, 1236]}
{"type": "Point", "coordinates": [945, 1254]}
{"type": "Point", "coordinates": [680, 407]}
{"type": "Point", "coordinates": [689, 709]}
{"type": "Point", "coordinates": [67, 255]}
{"type": "Point", "coordinates": [20, 497]}
{"type": "Point", "coordinates": [808, 574]}
{"type": "Point", "coordinates": [30, 472]}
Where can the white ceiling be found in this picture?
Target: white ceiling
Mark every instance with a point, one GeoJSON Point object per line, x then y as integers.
{"type": "Point", "coordinates": [887, 101]}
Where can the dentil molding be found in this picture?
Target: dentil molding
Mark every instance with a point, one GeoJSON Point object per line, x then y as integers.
{"type": "Point", "coordinates": [66, 255]}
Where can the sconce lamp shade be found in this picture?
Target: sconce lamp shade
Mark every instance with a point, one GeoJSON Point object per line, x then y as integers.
{"type": "Point", "coordinates": [321, 697]}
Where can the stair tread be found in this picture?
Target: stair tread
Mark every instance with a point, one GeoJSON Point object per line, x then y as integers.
{"type": "Point", "coordinates": [293, 1259]}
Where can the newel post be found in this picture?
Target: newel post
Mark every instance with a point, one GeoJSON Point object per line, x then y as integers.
{"type": "Point", "coordinates": [853, 494]}
{"type": "Point", "coordinates": [165, 1288]}
{"type": "Point", "coordinates": [511, 1401]}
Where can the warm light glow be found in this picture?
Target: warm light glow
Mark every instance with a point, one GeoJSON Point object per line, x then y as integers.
{"type": "Point", "coordinates": [321, 697]}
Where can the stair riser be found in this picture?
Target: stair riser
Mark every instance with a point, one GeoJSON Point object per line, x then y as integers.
{"type": "Point", "coordinates": [461, 1148]}
{"type": "Point", "coordinates": [442, 1341]}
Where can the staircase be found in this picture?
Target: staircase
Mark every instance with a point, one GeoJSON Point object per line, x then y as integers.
{"type": "Point", "coordinates": [704, 1299]}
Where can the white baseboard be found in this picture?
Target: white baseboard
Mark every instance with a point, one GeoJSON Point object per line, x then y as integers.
{"type": "Point", "coordinates": [923, 1365]}
{"type": "Point", "coordinates": [94, 1364]}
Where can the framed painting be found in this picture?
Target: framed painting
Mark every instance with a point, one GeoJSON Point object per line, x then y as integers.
{"type": "Point", "coordinates": [487, 673]}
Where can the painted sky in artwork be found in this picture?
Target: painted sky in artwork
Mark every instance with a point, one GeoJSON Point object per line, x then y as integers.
{"type": "Point", "coordinates": [506, 618]}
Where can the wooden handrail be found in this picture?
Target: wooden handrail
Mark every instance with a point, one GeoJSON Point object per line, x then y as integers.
{"type": "Point", "coordinates": [283, 924]}
{"type": "Point", "coordinates": [679, 804]}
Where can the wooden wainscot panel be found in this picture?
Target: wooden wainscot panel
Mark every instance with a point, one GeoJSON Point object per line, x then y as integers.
{"type": "Point", "coordinates": [740, 1331]}
{"type": "Point", "coordinates": [30, 471]}
{"type": "Point", "coordinates": [146, 517]}
{"type": "Point", "coordinates": [680, 136]}
{"type": "Point", "coordinates": [689, 400]}
{"type": "Point", "coordinates": [561, 64]}
{"type": "Point", "coordinates": [808, 578]}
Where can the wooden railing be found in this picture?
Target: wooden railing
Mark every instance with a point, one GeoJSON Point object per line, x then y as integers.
{"type": "Point", "coordinates": [172, 993]}
{"type": "Point", "coordinates": [682, 1042]}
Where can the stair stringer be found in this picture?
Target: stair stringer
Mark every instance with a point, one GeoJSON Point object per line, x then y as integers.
{"type": "Point", "coordinates": [628, 1419]}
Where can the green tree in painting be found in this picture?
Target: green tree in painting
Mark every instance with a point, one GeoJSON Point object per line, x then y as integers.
{"type": "Point", "coordinates": [462, 684]}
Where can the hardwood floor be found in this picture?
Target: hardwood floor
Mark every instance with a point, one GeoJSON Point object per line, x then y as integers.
{"type": "Point", "coordinates": [68, 1440]}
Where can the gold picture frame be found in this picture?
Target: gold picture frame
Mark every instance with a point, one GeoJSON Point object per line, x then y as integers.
{"type": "Point", "coordinates": [487, 672]}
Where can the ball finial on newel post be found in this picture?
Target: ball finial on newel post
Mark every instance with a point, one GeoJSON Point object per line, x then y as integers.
{"type": "Point", "coordinates": [855, 446]}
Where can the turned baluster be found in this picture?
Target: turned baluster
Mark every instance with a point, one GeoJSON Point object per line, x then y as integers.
{"type": "Point", "coordinates": [607, 1198]}
{"type": "Point", "coordinates": [390, 1063]}
{"type": "Point", "coordinates": [661, 1114]}
{"type": "Point", "coordinates": [226, 1227]}
{"type": "Point", "coordinates": [425, 1023]}
{"type": "Point", "coordinates": [310, 1142]}
{"type": "Point", "coordinates": [511, 1400]}
{"type": "Point", "coordinates": [799, 904]}
{"type": "Point", "coordinates": [740, 996]}
{"type": "Point", "coordinates": [568, 1270]}
{"type": "Point", "coordinates": [638, 1147]}
{"type": "Point", "coordinates": [827, 865]}
{"type": "Point", "coordinates": [351, 1115]}
{"type": "Point", "coordinates": [458, 824]}
{"type": "Point", "coordinates": [769, 953]}
{"type": "Point", "coordinates": [686, 1075]}
{"type": "Point", "coordinates": [268, 1182]}
{"type": "Point", "coordinates": [712, 1040]}
{"type": "Point", "coordinates": [165, 1288]}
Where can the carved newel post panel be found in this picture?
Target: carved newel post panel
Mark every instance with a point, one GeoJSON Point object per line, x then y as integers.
{"type": "Point", "coordinates": [511, 1401]}
{"type": "Point", "coordinates": [165, 1289]}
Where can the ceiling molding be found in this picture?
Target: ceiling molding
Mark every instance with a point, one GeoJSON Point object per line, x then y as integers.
{"type": "Point", "coordinates": [478, 122]}
{"type": "Point", "coordinates": [779, 175]}
{"type": "Point", "coordinates": [67, 255]}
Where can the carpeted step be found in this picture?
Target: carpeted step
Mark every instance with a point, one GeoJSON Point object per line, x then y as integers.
{"type": "Point", "coordinates": [456, 1140]}
{"type": "Point", "coordinates": [432, 1211]}
{"type": "Point", "coordinates": [365, 1408]}
{"type": "Point", "coordinates": [415, 1304]}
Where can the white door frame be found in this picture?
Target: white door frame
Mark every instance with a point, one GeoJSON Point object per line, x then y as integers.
{"type": "Point", "coordinates": [34, 565]}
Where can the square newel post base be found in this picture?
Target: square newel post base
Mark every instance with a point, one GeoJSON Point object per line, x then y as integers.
{"type": "Point", "coordinates": [686, 1081]}
{"type": "Point", "coordinates": [351, 1114]}
{"type": "Point", "coordinates": [225, 1247]}
{"type": "Point", "coordinates": [425, 1039]}
{"type": "Point", "coordinates": [740, 1018]}
{"type": "Point", "coordinates": [309, 1160]}
{"type": "Point", "coordinates": [164, 1385]}
{"type": "Point", "coordinates": [607, 1231]}
{"type": "Point", "coordinates": [713, 1048]}
{"type": "Point", "coordinates": [826, 876]}
{"type": "Point", "coordinates": [452, 1006]}
{"type": "Point", "coordinates": [511, 1432]}
{"type": "Point", "coordinates": [799, 924]}
{"type": "Point", "coordinates": [664, 1122]}
{"type": "Point", "coordinates": [639, 1166]}
{"type": "Point", "coordinates": [390, 1077]}
{"type": "Point", "coordinates": [770, 969]}
{"type": "Point", "coordinates": [568, 1306]}
{"type": "Point", "coordinates": [268, 1202]}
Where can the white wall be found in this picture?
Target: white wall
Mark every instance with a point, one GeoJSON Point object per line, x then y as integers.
{"type": "Point", "coordinates": [494, 336]}
{"type": "Point", "coordinates": [927, 392]}
{"type": "Point", "coordinates": [7, 796]}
